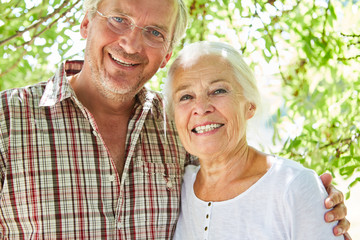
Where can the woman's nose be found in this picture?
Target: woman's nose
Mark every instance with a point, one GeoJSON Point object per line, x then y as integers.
{"type": "Point", "coordinates": [203, 106]}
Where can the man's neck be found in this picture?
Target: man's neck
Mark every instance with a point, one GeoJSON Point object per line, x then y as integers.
{"type": "Point", "coordinates": [99, 104]}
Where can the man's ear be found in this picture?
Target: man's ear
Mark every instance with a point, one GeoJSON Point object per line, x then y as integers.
{"type": "Point", "coordinates": [166, 59]}
{"type": "Point", "coordinates": [84, 26]}
{"type": "Point", "coordinates": [250, 111]}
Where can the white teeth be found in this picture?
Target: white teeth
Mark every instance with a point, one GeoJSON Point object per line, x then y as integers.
{"type": "Point", "coordinates": [207, 128]}
{"type": "Point", "coordinates": [122, 62]}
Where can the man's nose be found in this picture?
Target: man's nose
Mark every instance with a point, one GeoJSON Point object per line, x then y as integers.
{"type": "Point", "coordinates": [132, 41]}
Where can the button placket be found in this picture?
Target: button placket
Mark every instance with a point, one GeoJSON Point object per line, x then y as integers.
{"type": "Point", "coordinates": [207, 220]}
{"type": "Point", "coordinates": [111, 178]}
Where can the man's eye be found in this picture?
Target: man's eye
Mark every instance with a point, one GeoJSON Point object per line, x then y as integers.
{"type": "Point", "coordinates": [155, 33]}
{"type": "Point", "coordinates": [119, 19]}
{"type": "Point", "coordinates": [185, 97]}
{"type": "Point", "coordinates": [219, 91]}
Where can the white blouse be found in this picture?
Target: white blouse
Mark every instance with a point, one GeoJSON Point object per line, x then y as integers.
{"type": "Point", "coordinates": [286, 203]}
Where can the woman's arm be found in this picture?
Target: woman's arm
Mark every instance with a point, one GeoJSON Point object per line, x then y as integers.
{"type": "Point", "coordinates": [305, 203]}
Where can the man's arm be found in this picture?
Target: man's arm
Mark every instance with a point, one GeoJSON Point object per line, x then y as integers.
{"type": "Point", "coordinates": [335, 200]}
{"type": "Point", "coordinates": [4, 137]}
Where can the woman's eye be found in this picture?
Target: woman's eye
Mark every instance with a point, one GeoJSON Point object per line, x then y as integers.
{"type": "Point", "coordinates": [185, 97]}
{"type": "Point", "coordinates": [219, 91]}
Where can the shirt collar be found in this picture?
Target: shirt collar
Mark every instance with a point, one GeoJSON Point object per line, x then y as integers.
{"type": "Point", "coordinates": [153, 101]}
{"type": "Point", "coordinates": [58, 87]}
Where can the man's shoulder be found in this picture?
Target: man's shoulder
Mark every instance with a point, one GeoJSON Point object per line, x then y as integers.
{"type": "Point", "coordinates": [148, 97]}
{"type": "Point", "coordinates": [22, 95]}
{"type": "Point", "coordinates": [17, 101]}
{"type": "Point", "coordinates": [157, 95]}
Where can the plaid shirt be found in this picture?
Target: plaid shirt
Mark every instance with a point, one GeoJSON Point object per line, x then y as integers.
{"type": "Point", "coordinates": [58, 180]}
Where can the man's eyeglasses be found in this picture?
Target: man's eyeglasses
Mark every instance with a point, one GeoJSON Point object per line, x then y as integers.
{"type": "Point", "coordinates": [122, 24]}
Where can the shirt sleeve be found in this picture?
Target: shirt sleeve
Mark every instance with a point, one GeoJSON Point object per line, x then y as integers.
{"type": "Point", "coordinates": [4, 136]}
{"type": "Point", "coordinates": [305, 203]}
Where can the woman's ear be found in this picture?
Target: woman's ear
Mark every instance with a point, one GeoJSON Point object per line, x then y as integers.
{"type": "Point", "coordinates": [250, 111]}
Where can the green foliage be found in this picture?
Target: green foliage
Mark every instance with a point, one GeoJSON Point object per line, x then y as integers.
{"type": "Point", "coordinates": [308, 49]}
{"type": "Point", "coordinates": [29, 33]}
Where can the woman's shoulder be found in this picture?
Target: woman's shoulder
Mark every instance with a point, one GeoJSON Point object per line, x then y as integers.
{"type": "Point", "coordinates": [288, 165]}
{"type": "Point", "coordinates": [291, 171]}
{"type": "Point", "coordinates": [190, 171]}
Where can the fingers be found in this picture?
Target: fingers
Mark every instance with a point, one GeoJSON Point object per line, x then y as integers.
{"type": "Point", "coordinates": [337, 213]}
{"type": "Point", "coordinates": [342, 228]}
{"type": "Point", "coordinates": [326, 178]}
{"type": "Point", "coordinates": [335, 197]}
{"type": "Point", "coordinates": [347, 236]}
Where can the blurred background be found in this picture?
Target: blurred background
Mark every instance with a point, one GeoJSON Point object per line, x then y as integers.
{"type": "Point", "coordinates": [305, 55]}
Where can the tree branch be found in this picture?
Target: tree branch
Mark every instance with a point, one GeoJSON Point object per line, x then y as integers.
{"type": "Point", "coordinates": [324, 26]}
{"type": "Point", "coordinates": [15, 64]}
{"type": "Point", "coordinates": [272, 41]}
{"type": "Point", "coordinates": [341, 141]}
{"type": "Point", "coordinates": [349, 58]}
{"type": "Point", "coordinates": [42, 20]}
{"type": "Point", "coordinates": [47, 27]}
{"type": "Point", "coordinates": [350, 35]}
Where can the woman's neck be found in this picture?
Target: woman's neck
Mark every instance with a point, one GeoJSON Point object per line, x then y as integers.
{"type": "Point", "coordinates": [226, 177]}
{"type": "Point", "coordinates": [220, 164]}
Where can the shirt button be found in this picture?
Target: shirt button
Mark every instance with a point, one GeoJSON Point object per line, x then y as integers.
{"type": "Point", "coordinates": [206, 228]}
{"type": "Point", "coordinates": [169, 184]}
{"type": "Point", "coordinates": [209, 204]}
{"type": "Point", "coordinates": [111, 178]}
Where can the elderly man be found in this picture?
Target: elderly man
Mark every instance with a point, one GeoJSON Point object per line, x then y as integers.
{"type": "Point", "coordinates": [89, 154]}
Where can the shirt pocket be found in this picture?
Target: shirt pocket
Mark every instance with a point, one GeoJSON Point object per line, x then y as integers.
{"type": "Point", "coordinates": [152, 198]}
{"type": "Point", "coordinates": [167, 175]}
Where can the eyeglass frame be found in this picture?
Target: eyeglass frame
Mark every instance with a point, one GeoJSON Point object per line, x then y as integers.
{"type": "Point", "coordinates": [133, 25]}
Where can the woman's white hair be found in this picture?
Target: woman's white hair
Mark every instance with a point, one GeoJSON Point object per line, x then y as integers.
{"type": "Point", "coordinates": [191, 54]}
{"type": "Point", "coordinates": [90, 7]}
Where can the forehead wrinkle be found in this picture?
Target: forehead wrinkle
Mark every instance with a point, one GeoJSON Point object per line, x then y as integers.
{"type": "Point", "coordinates": [181, 88]}
{"type": "Point", "coordinates": [166, 23]}
{"type": "Point", "coordinates": [118, 11]}
{"type": "Point", "coordinates": [190, 73]}
{"type": "Point", "coordinates": [186, 86]}
{"type": "Point", "coordinates": [219, 80]}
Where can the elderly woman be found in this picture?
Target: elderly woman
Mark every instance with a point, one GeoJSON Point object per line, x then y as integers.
{"type": "Point", "coordinates": [237, 192]}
